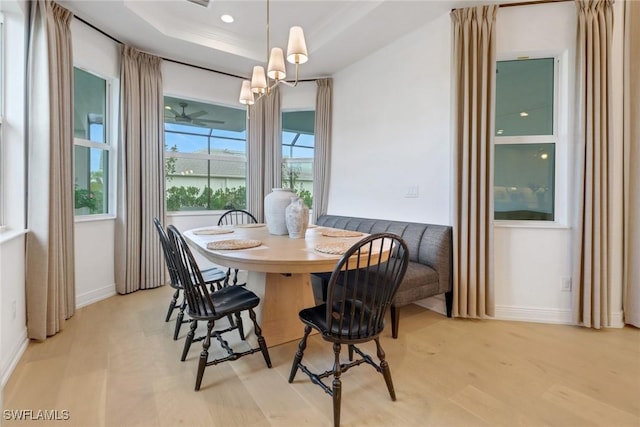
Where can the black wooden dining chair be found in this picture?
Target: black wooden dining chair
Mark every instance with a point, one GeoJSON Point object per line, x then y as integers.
{"type": "Point", "coordinates": [361, 289]}
{"type": "Point", "coordinates": [235, 217]}
{"type": "Point", "coordinates": [214, 277]}
{"type": "Point", "coordinates": [202, 304]}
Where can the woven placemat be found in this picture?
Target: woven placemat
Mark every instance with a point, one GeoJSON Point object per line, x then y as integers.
{"type": "Point", "coordinates": [212, 231]}
{"type": "Point", "coordinates": [249, 225]}
{"type": "Point", "coordinates": [341, 233]}
{"type": "Point", "coordinates": [233, 244]}
{"type": "Point", "coordinates": [337, 248]}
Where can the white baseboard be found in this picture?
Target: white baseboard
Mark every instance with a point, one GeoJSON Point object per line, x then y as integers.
{"type": "Point", "coordinates": [534, 314]}
{"type": "Point", "coordinates": [95, 295]}
{"type": "Point", "coordinates": [14, 357]}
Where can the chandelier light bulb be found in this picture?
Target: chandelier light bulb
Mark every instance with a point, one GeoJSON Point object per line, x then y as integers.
{"type": "Point", "coordinates": [258, 80]}
{"type": "Point", "coordinates": [246, 96]}
{"type": "Point", "coordinates": [276, 70]}
{"type": "Point", "coordinates": [297, 47]}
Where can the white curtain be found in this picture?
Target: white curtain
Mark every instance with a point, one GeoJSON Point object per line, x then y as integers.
{"type": "Point", "coordinates": [592, 263]}
{"type": "Point", "coordinates": [474, 56]}
{"type": "Point", "coordinates": [264, 151]}
{"type": "Point", "coordinates": [322, 147]}
{"type": "Point", "coordinates": [50, 269]}
{"type": "Point", "coordinates": [141, 184]}
{"type": "Point", "coordinates": [632, 160]}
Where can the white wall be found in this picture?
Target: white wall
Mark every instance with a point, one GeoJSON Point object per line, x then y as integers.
{"type": "Point", "coordinates": [13, 331]}
{"type": "Point", "coordinates": [392, 131]}
{"type": "Point", "coordinates": [94, 238]}
{"type": "Point", "coordinates": [531, 263]}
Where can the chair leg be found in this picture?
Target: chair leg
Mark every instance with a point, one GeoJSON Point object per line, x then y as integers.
{"type": "Point", "coordinates": [179, 320]}
{"type": "Point", "coordinates": [337, 385]}
{"type": "Point", "coordinates": [261, 342]}
{"type": "Point", "coordinates": [204, 355]}
{"type": "Point", "coordinates": [395, 321]}
{"type": "Point", "coordinates": [350, 353]}
{"type": "Point", "coordinates": [240, 326]}
{"type": "Point", "coordinates": [172, 304]}
{"type": "Point", "coordinates": [189, 340]}
{"type": "Point", "coordinates": [448, 301]}
{"type": "Point", "coordinates": [298, 357]}
{"type": "Point", "coordinates": [386, 372]}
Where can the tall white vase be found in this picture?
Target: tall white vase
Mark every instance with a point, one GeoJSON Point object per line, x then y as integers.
{"type": "Point", "coordinates": [275, 204]}
{"type": "Point", "coordinates": [297, 218]}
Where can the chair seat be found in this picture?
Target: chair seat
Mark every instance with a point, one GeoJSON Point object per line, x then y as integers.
{"type": "Point", "coordinates": [316, 317]}
{"type": "Point", "coordinates": [229, 300]}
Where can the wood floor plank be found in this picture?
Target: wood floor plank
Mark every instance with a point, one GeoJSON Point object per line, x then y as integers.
{"type": "Point", "coordinates": [116, 364]}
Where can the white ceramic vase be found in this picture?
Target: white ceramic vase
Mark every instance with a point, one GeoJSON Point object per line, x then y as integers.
{"type": "Point", "coordinates": [297, 218]}
{"type": "Point", "coordinates": [275, 204]}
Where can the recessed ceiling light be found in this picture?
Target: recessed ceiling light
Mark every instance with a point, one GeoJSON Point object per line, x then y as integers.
{"type": "Point", "coordinates": [544, 156]}
{"type": "Point", "coordinates": [500, 132]}
{"type": "Point", "coordinates": [524, 114]}
{"type": "Point", "coordinates": [166, 107]}
{"type": "Point", "coordinates": [227, 18]}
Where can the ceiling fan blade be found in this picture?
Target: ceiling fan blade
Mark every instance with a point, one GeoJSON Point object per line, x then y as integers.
{"type": "Point", "coordinates": [174, 112]}
{"type": "Point", "coordinates": [200, 123]}
{"type": "Point", "coordinates": [198, 114]}
{"type": "Point", "coordinates": [220, 122]}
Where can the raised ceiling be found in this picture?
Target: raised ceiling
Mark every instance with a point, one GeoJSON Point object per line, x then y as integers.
{"type": "Point", "coordinates": [338, 33]}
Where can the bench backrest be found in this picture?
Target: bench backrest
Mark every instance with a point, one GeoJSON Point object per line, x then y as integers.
{"type": "Point", "coordinates": [428, 244]}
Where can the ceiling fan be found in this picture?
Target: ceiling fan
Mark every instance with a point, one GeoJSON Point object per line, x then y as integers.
{"type": "Point", "coordinates": [193, 118]}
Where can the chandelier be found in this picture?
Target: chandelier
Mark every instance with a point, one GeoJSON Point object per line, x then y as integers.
{"type": "Point", "coordinates": [276, 71]}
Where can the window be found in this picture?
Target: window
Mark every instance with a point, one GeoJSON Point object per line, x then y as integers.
{"type": "Point", "coordinates": [525, 140]}
{"type": "Point", "coordinates": [297, 153]}
{"type": "Point", "coordinates": [92, 155]}
{"type": "Point", "coordinates": [206, 156]}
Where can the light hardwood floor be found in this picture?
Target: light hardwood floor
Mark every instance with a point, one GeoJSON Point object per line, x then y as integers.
{"type": "Point", "coordinates": [115, 364]}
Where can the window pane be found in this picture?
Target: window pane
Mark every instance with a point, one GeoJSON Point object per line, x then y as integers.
{"type": "Point", "coordinates": [524, 97]}
{"type": "Point", "coordinates": [297, 153]}
{"type": "Point", "coordinates": [180, 142]}
{"type": "Point", "coordinates": [91, 181]}
{"type": "Point", "coordinates": [200, 184]}
{"type": "Point", "coordinates": [524, 181]}
{"type": "Point", "coordinates": [213, 176]}
{"type": "Point", "coordinates": [90, 105]}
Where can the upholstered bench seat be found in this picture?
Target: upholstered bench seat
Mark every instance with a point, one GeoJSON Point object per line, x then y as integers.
{"type": "Point", "coordinates": [430, 268]}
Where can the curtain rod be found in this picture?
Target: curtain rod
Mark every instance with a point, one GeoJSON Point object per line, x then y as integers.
{"type": "Point", "coordinates": [529, 3]}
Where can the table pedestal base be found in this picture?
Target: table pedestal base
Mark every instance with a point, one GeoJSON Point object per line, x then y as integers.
{"type": "Point", "coordinates": [281, 298]}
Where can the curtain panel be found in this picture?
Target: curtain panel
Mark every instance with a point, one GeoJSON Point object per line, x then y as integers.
{"type": "Point", "coordinates": [592, 263]}
{"type": "Point", "coordinates": [141, 182]}
{"type": "Point", "coordinates": [322, 147]}
{"type": "Point", "coordinates": [631, 286]}
{"type": "Point", "coordinates": [50, 269]}
{"type": "Point", "coordinates": [264, 151]}
{"type": "Point", "coordinates": [474, 57]}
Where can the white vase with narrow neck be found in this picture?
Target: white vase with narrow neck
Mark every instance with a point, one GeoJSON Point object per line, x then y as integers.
{"type": "Point", "coordinates": [275, 204]}
{"type": "Point", "coordinates": [297, 218]}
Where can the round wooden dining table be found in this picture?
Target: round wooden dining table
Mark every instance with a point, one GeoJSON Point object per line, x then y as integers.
{"type": "Point", "coordinates": [278, 268]}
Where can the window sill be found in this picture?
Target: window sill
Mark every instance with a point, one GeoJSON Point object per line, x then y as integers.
{"type": "Point", "coordinates": [196, 213]}
{"type": "Point", "coordinates": [7, 234]}
{"type": "Point", "coordinates": [93, 218]}
{"type": "Point", "coordinates": [551, 225]}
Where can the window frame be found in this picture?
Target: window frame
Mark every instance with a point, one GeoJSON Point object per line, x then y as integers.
{"type": "Point", "coordinates": [168, 153]}
{"type": "Point", "coordinates": [558, 138]}
{"type": "Point", "coordinates": [286, 161]}
{"type": "Point", "coordinates": [109, 146]}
